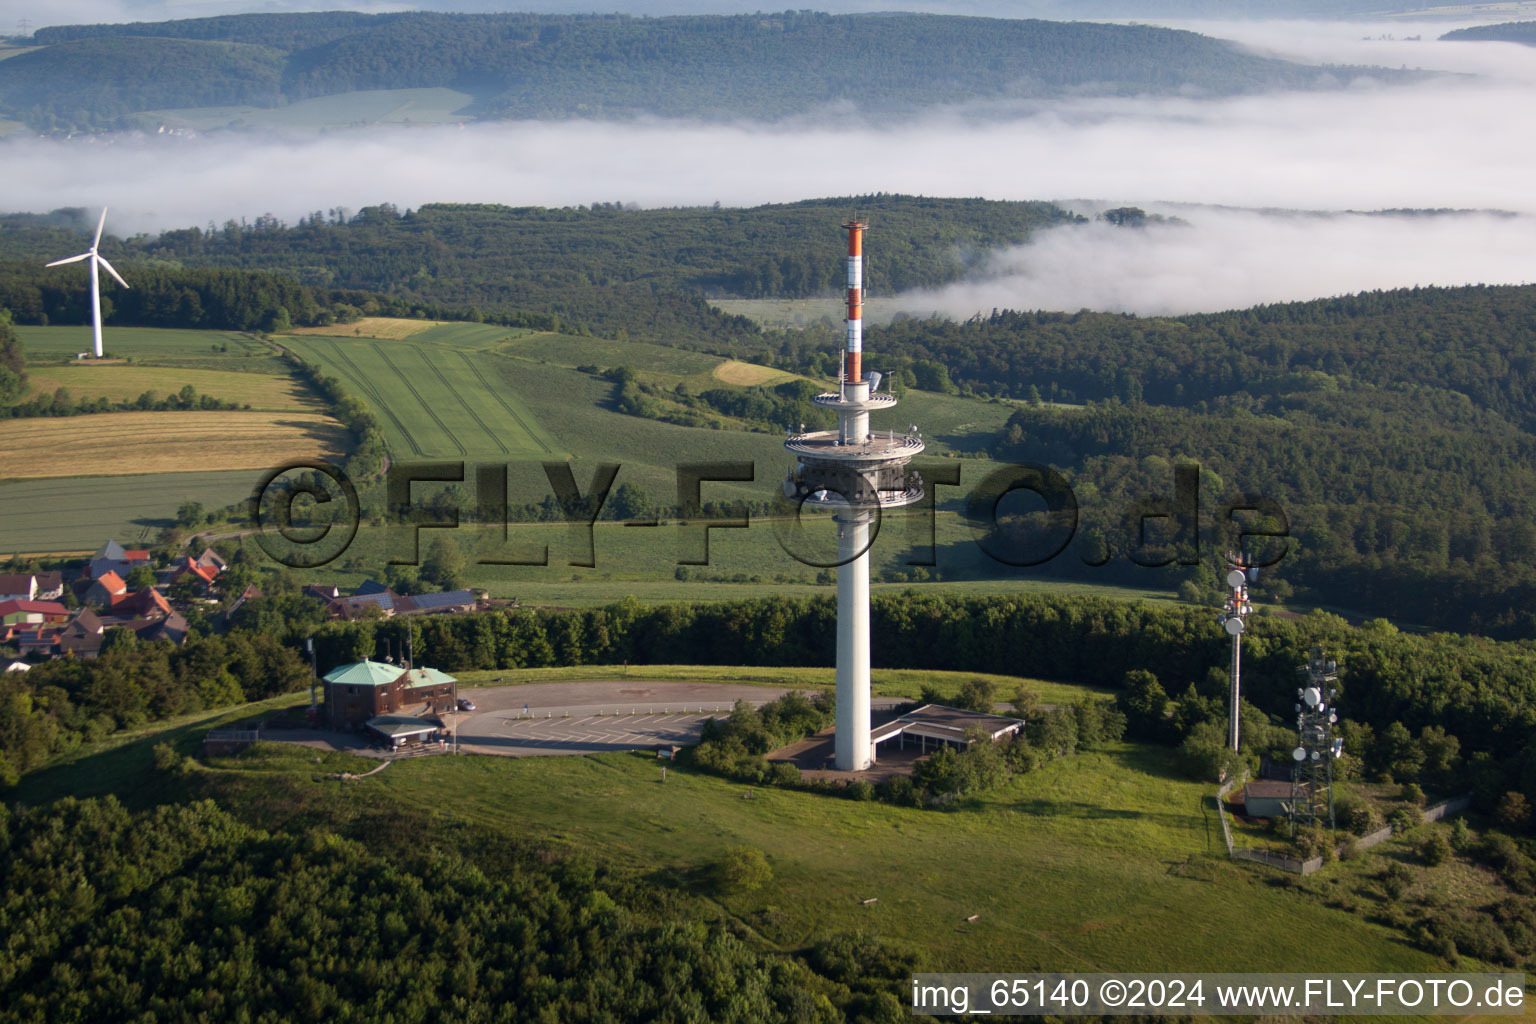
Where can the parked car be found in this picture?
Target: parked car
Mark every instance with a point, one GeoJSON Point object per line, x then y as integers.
{"type": "Point", "coordinates": [465, 704]}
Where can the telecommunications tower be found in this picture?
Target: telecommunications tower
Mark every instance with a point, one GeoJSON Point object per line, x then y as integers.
{"type": "Point", "coordinates": [1234, 619]}
{"type": "Point", "coordinates": [1312, 776]}
{"type": "Point", "coordinates": [855, 473]}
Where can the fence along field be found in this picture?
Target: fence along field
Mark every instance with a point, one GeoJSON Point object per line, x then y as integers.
{"type": "Point", "coordinates": [434, 400]}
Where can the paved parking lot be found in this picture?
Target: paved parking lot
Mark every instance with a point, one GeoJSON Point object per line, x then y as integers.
{"type": "Point", "coordinates": [586, 718]}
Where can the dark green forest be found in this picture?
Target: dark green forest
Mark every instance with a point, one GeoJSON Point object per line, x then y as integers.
{"type": "Point", "coordinates": [610, 269]}
{"type": "Point", "coordinates": [1393, 428]}
{"type": "Point", "coordinates": [1506, 32]}
{"type": "Point", "coordinates": [185, 912]}
{"type": "Point", "coordinates": [602, 66]}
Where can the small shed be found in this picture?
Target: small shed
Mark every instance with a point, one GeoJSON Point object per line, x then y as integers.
{"type": "Point", "coordinates": [1267, 798]}
{"type": "Point", "coordinates": [400, 730]}
{"type": "Point", "coordinates": [933, 725]}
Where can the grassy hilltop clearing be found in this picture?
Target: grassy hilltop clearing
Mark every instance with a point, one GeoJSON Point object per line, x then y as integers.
{"type": "Point", "coordinates": [1086, 863]}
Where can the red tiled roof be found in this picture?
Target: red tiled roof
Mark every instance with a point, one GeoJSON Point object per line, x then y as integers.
{"type": "Point", "coordinates": [148, 601]}
{"type": "Point", "coordinates": [112, 582]}
{"type": "Point", "coordinates": [40, 607]}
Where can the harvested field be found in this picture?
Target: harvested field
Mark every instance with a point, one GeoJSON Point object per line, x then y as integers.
{"type": "Point", "coordinates": [389, 328]}
{"type": "Point", "coordinates": [110, 444]}
{"type": "Point", "coordinates": [748, 374]}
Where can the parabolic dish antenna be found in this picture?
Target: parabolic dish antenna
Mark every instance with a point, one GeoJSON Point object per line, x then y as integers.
{"type": "Point", "coordinates": [1234, 625]}
{"type": "Point", "coordinates": [1300, 754]}
{"type": "Point", "coordinates": [1236, 579]}
{"type": "Point", "coordinates": [1312, 697]}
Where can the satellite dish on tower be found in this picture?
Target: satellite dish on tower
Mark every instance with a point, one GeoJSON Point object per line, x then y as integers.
{"type": "Point", "coordinates": [1312, 697]}
{"type": "Point", "coordinates": [1234, 625]}
{"type": "Point", "coordinates": [1236, 579]}
{"type": "Point", "coordinates": [1299, 754]}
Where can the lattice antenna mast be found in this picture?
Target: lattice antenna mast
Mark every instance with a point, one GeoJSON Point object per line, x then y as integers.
{"type": "Point", "coordinates": [1234, 619]}
{"type": "Point", "coordinates": [1312, 775]}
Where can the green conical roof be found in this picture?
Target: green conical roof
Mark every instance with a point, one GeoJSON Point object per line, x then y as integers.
{"type": "Point", "coordinates": [365, 673]}
{"type": "Point", "coordinates": [429, 677]}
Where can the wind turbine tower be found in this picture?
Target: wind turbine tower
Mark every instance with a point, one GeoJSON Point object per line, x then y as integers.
{"type": "Point", "coordinates": [97, 260]}
{"type": "Point", "coordinates": [855, 473]}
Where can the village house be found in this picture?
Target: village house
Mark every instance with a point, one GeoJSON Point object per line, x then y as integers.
{"type": "Point", "coordinates": [202, 576]}
{"type": "Point", "coordinates": [105, 590]}
{"type": "Point", "coordinates": [17, 616]}
{"type": "Point", "coordinates": [31, 586]}
{"type": "Point", "coordinates": [113, 557]}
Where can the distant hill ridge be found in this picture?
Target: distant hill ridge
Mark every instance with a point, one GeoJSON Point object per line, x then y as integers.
{"type": "Point", "coordinates": [1504, 32]}
{"type": "Point", "coordinates": [614, 66]}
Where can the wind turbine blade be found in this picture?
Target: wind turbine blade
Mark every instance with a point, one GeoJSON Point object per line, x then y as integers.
{"type": "Point", "coordinates": [99, 225]}
{"type": "Point", "coordinates": [102, 260]}
{"type": "Point", "coordinates": [71, 259]}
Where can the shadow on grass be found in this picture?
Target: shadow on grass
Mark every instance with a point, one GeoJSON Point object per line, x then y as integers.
{"type": "Point", "coordinates": [1146, 759]}
{"type": "Point", "coordinates": [126, 768]}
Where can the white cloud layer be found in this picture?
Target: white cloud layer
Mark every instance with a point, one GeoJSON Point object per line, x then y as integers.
{"type": "Point", "coordinates": [1447, 143]}
{"type": "Point", "coordinates": [1232, 259]}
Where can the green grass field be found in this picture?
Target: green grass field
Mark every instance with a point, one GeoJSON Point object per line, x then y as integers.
{"type": "Point", "coordinates": [1090, 863]}
{"type": "Point", "coordinates": [884, 682]}
{"type": "Point", "coordinates": [122, 382]}
{"type": "Point", "coordinates": [643, 562]}
{"type": "Point", "coordinates": [481, 393]}
{"type": "Point", "coordinates": [78, 514]}
{"type": "Point", "coordinates": [342, 110]}
{"type": "Point", "coordinates": [434, 400]}
{"type": "Point", "coordinates": [157, 345]}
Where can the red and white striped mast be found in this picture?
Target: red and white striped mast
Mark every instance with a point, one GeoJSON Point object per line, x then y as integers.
{"type": "Point", "coordinates": [853, 349]}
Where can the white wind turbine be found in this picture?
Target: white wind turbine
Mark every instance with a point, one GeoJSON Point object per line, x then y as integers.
{"type": "Point", "coordinates": [97, 260]}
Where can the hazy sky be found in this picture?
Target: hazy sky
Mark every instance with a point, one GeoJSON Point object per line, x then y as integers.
{"type": "Point", "coordinates": [62, 12]}
{"type": "Point", "coordinates": [1444, 144]}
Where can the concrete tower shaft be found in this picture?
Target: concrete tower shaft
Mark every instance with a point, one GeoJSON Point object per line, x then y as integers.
{"type": "Point", "coordinates": [854, 473]}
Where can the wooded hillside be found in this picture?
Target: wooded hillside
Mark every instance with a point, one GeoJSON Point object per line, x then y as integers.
{"type": "Point", "coordinates": [765, 66]}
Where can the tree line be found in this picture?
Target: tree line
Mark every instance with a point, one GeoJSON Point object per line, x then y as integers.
{"type": "Point", "coordinates": [1481, 692]}
{"type": "Point", "coordinates": [61, 402]}
{"type": "Point", "coordinates": [60, 704]}
{"type": "Point", "coordinates": [645, 273]}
